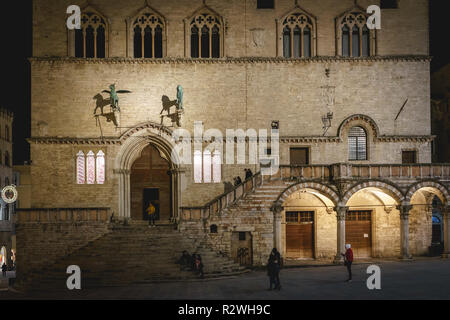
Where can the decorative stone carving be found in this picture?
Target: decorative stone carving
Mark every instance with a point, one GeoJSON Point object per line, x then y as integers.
{"type": "Point", "coordinates": [257, 37]}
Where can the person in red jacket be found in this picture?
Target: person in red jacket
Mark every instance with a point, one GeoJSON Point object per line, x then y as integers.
{"type": "Point", "coordinates": [348, 260]}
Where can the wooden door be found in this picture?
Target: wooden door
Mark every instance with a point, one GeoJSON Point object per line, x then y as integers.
{"type": "Point", "coordinates": [241, 248]}
{"type": "Point", "coordinates": [300, 234]}
{"type": "Point", "coordinates": [358, 232]}
{"type": "Point", "coordinates": [299, 156]}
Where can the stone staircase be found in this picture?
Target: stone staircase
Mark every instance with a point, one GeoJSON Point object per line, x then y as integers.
{"type": "Point", "coordinates": [135, 253]}
{"type": "Point", "coordinates": [262, 198]}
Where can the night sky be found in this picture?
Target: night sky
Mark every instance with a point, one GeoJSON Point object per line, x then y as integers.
{"type": "Point", "coordinates": [16, 48]}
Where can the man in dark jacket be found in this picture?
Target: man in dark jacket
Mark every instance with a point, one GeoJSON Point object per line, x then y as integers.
{"type": "Point", "coordinates": [273, 269]}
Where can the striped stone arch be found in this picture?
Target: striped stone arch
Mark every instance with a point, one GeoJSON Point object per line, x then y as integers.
{"type": "Point", "coordinates": [389, 188]}
{"type": "Point", "coordinates": [428, 184]}
{"type": "Point", "coordinates": [361, 118]}
{"type": "Point", "coordinates": [323, 189]}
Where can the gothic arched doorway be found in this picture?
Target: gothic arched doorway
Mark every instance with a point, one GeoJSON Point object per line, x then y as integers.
{"type": "Point", "coordinates": [147, 153]}
{"type": "Point", "coordinates": [150, 182]}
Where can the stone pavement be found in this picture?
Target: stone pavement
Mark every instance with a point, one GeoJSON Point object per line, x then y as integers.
{"type": "Point", "coordinates": [419, 279]}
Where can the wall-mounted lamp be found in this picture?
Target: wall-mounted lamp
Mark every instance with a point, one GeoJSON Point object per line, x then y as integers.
{"type": "Point", "coordinates": [326, 120]}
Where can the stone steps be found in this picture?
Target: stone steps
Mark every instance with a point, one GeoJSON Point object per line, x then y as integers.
{"type": "Point", "coordinates": [135, 253]}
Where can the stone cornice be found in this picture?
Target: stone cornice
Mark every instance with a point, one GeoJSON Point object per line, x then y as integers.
{"type": "Point", "coordinates": [228, 60]}
{"type": "Point", "coordinates": [299, 139]}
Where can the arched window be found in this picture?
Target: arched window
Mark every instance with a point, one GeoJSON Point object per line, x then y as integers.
{"type": "Point", "coordinates": [90, 165]}
{"type": "Point", "coordinates": [357, 144]}
{"type": "Point", "coordinates": [213, 228]}
{"type": "Point", "coordinates": [81, 168]}
{"type": "Point", "coordinates": [217, 167]}
{"type": "Point", "coordinates": [198, 174]}
{"type": "Point", "coordinates": [90, 40]}
{"type": "Point", "coordinates": [7, 159]}
{"type": "Point", "coordinates": [100, 167]}
{"type": "Point", "coordinates": [298, 30]}
{"type": "Point", "coordinates": [207, 166]}
{"type": "Point", "coordinates": [354, 38]}
{"type": "Point", "coordinates": [206, 36]}
{"type": "Point", "coordinates": [148, 33]}
{"type": "Point", "coordinates": [91, 168]}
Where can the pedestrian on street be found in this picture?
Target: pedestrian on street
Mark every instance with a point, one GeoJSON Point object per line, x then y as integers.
{"type": "Point", "coordinates": [4, 268]}
{"type": "Point", "coordinates": [199, 265]}
{"type": "Point", "coordinates": [273, 269]}
{"type": "Point", "coordinates": [151, 210]}
{"type": "Point", "coordinates": [348, 260]}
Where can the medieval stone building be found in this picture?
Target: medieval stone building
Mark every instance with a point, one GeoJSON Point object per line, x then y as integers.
{"type": "Point", "coordinates": [351, 105]}
{"type": "Point", "coordinates": [6, 178]}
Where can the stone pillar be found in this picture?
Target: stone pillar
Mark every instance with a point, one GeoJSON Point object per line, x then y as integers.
{"type": "Point", "coordinates": [277, 209]}
{"type": "Point", "coordinates": [404, 230]}
{"type": "Point", "coordinates": [341, 214]}
{"type": "Point", "coordinates": [124, 193]}
{"type": "Point", "coordinates": [3, 210]}
{"type": "Point", "coordinates": [446, 216]}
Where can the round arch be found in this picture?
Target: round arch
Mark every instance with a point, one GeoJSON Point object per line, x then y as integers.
{"type": "Point", "coordinates": [133, 143]}
{"type": "Point", "coordinates": [389, 188]}
{"type": "Point", "coordinates": [321, 188]}
{"type": "Point", "coordinates": [359, 119]}
{"type": "Point", "coordinates": [439, 190]}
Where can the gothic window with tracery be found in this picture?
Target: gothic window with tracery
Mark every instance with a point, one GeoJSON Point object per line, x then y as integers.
{"type": "Point", "coordinates": [100, 167]}
{"type": "Point", "coordinates": [90, 168]}
{"type": "Point", "coordinates": [148, 31]}
{"type": "Point", "coordinates": [207, 167]}
{"type": "Point", "coordinates": [355, 36]}
{"type": "Point", "coordinates": [206, 36]}
{"type": "Point", "coordinates": [297, 36]}
{"type": "Point", "coordinates": [81, 168]}
{"type": "Point", "coordinates": [90, 40]}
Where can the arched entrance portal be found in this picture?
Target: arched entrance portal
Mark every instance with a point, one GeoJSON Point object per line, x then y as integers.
{"type": "Point", "coordinates": [147, 173]}
{"type": "Point", "coordinates": [150, 182]}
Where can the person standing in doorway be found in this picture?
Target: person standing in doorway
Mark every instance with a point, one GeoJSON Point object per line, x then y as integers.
{"type": "Point", "coordinates": [151, 214]}
{"type": "Point", "coordinates": [348, 260]}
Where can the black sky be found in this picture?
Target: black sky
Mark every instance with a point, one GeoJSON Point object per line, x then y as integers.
{"type": "Point", "coordinates": [16, 48]}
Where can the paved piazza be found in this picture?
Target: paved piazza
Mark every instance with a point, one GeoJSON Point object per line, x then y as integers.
{"type": "Point", "coordinates": [423, 279]}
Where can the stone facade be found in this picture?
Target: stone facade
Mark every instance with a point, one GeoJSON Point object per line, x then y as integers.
{"type": "Point", "coordinates": [250, 86]}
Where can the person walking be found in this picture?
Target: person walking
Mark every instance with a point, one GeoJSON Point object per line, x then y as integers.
{"type": "Point", "coordinates": [273, 269]}
{"type": "Point", "coordinates": [348, 260]}
{"type": "Point", "coordinates": [151, 214]}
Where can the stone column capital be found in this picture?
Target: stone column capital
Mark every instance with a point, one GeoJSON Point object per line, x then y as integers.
{"type": "Point", "coordinates": [341, 212]}
{"type": "Point", "coordinates": [404, 211]}
{"type": "Point", "coordinates": [445, 209]}
{"type": "Point", "coordinates": [276, 208]}
{"type": "Point", "coordinates": [122, 171]}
